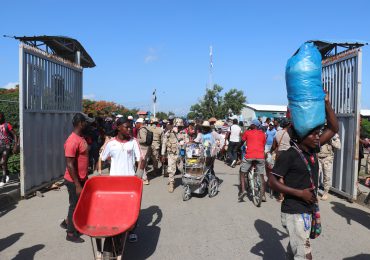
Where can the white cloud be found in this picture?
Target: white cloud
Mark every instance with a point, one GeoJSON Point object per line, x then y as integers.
{"type": "Point", "coordinates": [89, 96]}
{"type": "Point", "coordinates": [10, 85]}
{"type": "Point", "coordinates": [152, 55]}
{"type": "Point", "coordinates": [150, 58]}
{"type": "Point", "coordinates": [278, 78]}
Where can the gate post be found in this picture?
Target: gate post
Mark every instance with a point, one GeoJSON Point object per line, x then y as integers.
{"type": "Point", "coordinates": [21, 128]}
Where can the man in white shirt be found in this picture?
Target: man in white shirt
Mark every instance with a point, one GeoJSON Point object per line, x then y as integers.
{"type": "Point", "coordinates": [123, 151]}
{"type": "Point", "coordinates": [234, 142]}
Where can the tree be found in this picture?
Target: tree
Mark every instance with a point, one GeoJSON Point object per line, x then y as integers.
{"type": "Point", "coordinates": [235, 101]}
{"type": "Point", "coordinates": [161, 115]}
{"type": "Point", "coordinates": [214, 104]}
{"type": "Point", "coordinates": [105, 108]}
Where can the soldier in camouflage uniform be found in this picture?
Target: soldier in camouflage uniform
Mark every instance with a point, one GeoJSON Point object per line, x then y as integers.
{"type": "Point", "coordinates": [173, 139]}
{"type": "Point", "coordinates": [156, 145]}
{"type": "Point", "coordinates": [326, 158]}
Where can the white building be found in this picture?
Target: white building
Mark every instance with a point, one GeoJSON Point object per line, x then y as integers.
{"type": "Point", "coordinates": [252, 111]}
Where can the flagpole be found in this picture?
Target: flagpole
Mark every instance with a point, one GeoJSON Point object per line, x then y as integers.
{"type": "Point", "coordinates": [154, 109]}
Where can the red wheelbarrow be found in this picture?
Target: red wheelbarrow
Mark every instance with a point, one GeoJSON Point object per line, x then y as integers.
{"type": "Point", "coordinates": [108, 207]}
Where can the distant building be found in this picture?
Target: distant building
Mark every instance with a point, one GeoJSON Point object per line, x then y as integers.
{"type": "Point", "coordinates": [252, 111]}
{"type": "Point", "coordinates": [365, 113]}
{"type": "Point", "coordinates": [142, 114]}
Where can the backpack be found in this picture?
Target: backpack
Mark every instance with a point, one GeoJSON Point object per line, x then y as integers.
{"type": "Point", "coordinates": [149, 137]}
{"type": "Point", "coordinates": [8, 134]}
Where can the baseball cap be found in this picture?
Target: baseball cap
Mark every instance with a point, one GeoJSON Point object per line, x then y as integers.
{"type": "Point", "coordinates": [271, 123]}
{"type": "Point", "coordinates": [81, 117]}
{"type": "Point", "coordinates": [171, 117]}
{"type": "Point", "coordinates": [256, 122]}
{"type": "Point", "coordinates": [119, 116]}
{"type": "Point", "coordinates": [140, 120]}
{"type": "Point", "coordinates": [130, 118]}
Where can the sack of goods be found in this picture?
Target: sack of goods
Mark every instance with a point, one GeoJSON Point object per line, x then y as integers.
{"type": "Point", "coordinates": [305, 92]}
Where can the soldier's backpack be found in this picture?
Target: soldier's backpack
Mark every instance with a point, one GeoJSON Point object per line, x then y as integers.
{"type": "Point", "coordinates": [149, 137]}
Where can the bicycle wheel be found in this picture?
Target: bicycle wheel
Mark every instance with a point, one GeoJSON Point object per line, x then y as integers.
{"type": "Point", "coordinates": [257, 190]}
{"type": "Point", "coordinates": [186, 195]}
{"type": "Point", "coordinates": [212, 188]}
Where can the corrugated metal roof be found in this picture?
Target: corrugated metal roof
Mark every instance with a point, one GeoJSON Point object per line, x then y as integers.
{"type": "Point", "coordinates": [327, 48]}
{"type": "Point", "coordinates": [64, 47]}
{"type": "Point", "coordinates": [142, 113]}
{"type": "Point", "coordinates": [259, 107]}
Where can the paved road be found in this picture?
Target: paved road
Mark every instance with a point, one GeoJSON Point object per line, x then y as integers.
{"type": "Point", "coordinates": [202, 228]}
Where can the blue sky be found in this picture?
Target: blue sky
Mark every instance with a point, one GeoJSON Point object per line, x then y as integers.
{"type": "Point", "coordinates": [141, 45]}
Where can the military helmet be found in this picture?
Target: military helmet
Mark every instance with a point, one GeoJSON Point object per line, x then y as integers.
{"type": "Point", "coordinates": [179, 122]}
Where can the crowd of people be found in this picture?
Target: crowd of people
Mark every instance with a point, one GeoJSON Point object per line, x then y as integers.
{"type": "Point", "coordinates": [143, 147]}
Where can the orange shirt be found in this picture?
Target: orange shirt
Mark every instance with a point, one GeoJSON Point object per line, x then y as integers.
{"type": "Point", "coordinates": [256, 140]}
{"type": "Point", "coordinates": [76, 147]}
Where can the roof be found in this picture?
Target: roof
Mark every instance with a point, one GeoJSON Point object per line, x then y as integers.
{"type": "Point", "coordinates": [259, 107]}
{"type": "Point", "coordinates": [365, 112]}
{"type": "Point", "coordinates": [326, 48]}
{"type": "Point", "coordinates": [142, 113]}
{"type": "Point", "coordinates": [61, 46]}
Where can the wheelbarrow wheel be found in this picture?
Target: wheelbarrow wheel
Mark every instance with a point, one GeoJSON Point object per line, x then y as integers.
{"type": "Point", "coordinates": [186, 194]}
{"type": "Point", "coordinates": [212, 188]}
{"type": "Point", "coordinates": [107, 255]}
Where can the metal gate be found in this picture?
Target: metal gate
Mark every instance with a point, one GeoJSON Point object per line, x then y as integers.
{"type": "Point", "coordinates": [50, 94]}
{"type": "Point", "coordinates": [341, 76]}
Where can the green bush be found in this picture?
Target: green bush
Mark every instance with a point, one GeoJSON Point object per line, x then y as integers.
{"type": "Point", "coordinates": [9, 105]}
{"type": "Point", "coordinates": [14, 166]}
{"type": "Point", "coordinates": [365, 128]}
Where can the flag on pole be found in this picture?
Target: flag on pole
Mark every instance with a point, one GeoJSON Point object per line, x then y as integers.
{"type": "Point", "coordinates": [155, 96]}
{"type": "Point", "coordinates": [211, 56]}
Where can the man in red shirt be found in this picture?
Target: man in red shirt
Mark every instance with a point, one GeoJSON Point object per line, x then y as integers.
{"type": "Point", "coordinates": [255, 141]}
{"type": "Point", "coordinates": [77, 158]}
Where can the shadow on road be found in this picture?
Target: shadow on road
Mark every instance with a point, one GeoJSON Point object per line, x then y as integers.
{"type": "Point", "coordinates": [270, 247]}
{"type": "Point", "coordinates": [28, 253]}
{"type": "Point", "coordinates": [148, 234]}
{"type": "Point", "coordinates": [10, 240]}
{"type": "Point", "coordinates": [358, 257]}
{"type": "Point", "coordinates": [349, 213]}
{"type": "Point", "coordinates": [4, 211]}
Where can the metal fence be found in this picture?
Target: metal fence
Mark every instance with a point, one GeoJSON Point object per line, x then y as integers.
{"type": "Point", "coordinates": [341, 76]}
{"type": "Point", "coordinates": [50, 94]}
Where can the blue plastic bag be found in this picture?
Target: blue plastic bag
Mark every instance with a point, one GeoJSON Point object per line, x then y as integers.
{"type": "Point", "coordinates": [305, 92]}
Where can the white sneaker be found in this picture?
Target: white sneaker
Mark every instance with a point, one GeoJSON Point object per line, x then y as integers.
{"type": "Point", "coordinates": [99, 256]}
{"type": "Point", "coordinates": [233, 163]}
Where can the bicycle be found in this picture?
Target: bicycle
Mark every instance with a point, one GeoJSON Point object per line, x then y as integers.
{"type": "Point", "coordinates": [254, 185]}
